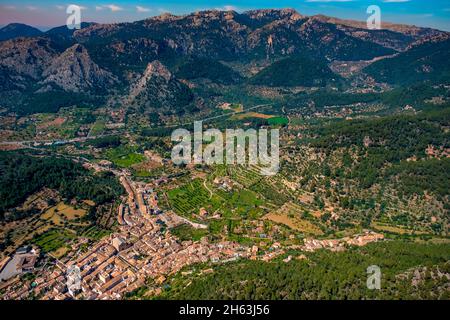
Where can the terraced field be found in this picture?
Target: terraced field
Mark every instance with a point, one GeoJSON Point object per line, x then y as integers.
{"type": "Point", "coordinates": [192, 196]}
{"type": "Point", "coordinates": [268, 187]}
{"type": "Point", "coordinates": [245, 176]}
{"type": "Point", "coordinates": [395, 229]}
{"type": "Point", "coordinates": [95, 233]}
{"type": "Point", "coordinates": [238, 203]}
{"type": "Point", "coordinates": [53, 239]}
{"type": "Point", "coordinates": [62, 213]}
{"type": "Point", "coordinates": [290, 215]}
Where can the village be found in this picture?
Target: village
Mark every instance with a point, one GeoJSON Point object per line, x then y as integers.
{"type": "Point", "coordinates": [143, 248]}
{"type": "Point", "coordinates": [123, 261]}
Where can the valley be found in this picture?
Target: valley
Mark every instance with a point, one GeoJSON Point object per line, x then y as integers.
{"type": "Point", "coordinates": [88, 180]}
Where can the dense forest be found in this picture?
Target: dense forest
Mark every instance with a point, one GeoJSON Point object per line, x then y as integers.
{"type": "Point", "coordinates": [428, 61]}
{"type": "Point", "coordinates": [408, 271]}
{"type": "Point", "coordinates": [391, 140]}
{"type": "Point", "coordinates": [22, 175]}
{"type": "Point", "coordinates": [301, 71]}
{"type": "Point", "coordinates": [323, 98]}
{"type": "Point", "coordinates": [43, 102]}
{"type": "Point", "coordinates": [105, 142]}
{"type": "Point", "coordinates": [195, 68]}
{"type": "Point", "coordinates": [416, 95]}
{"type": "Point", "coordinates": [416, 177]}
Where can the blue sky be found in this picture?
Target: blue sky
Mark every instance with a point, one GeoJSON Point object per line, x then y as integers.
{"type": "Point", "coordinates": [46, 13]}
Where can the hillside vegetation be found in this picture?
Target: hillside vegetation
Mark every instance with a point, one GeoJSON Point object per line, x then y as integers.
{"type": "Point", "coordinates": [26, 175]}
{"type": "Point", "coordinates": [295, 71]}
{"type": "Point", "coordinates": [427, 61]}
{"type": "Point", "coordinates": [326, 275]}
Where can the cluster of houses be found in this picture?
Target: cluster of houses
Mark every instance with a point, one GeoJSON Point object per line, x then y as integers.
{"type": "Point", "coordinates": [340, 244]}
{"type": "Point", "coordinates": [142, 250]}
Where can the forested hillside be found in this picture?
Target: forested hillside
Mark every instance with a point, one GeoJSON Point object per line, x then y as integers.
{"type": "Point", "coordinates": [391, 140]}
{"type": "Point", "coordinates": [326, 275]}
{"type": "Point", "coordinates": [22, 175]}
{"type": "Point", "coordinates": [427, 61]}
{"type": "Point", "coordinates": [296, 71]}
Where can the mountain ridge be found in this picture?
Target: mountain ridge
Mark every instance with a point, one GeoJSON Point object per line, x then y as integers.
{"type": "Point", "coordinates": [108, 59]}
{"type": "Point", "coordinates": [15, 30]}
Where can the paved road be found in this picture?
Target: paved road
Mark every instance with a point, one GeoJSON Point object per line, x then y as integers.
{"type": "Point", "coordinates": [12, 268]}
{"type": "Point", "coordinates": [89, 137]}
{"type": "Point", "coordinates": [56, 141]}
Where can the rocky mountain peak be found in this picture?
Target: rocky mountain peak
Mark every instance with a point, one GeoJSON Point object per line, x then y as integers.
{"type": "Point", "coordinates": [27, 56]}
{"type": "Point", "coordinates": [430, 39]}
{"type": "Point", "coordinates": [157, 69]}
{"type": "Point", "coordinates": [157, 87]}
{"type": "Point", "coordinates": [165, 17]}
{"type": "Point", "coordinates": [75, 71]}
{"type": "Point", "coordinates": [95, 30]}
{"type": "Point", "coordinates": [266, 14]}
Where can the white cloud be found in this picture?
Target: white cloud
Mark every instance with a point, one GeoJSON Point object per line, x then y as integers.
{"type": "Point", "coordinates": [113, 7]}
{"type": "Point", "coordinates": [225, 8]}
{"type": "Point", "coordinates": [81, 7]}
{"type": "Point", "coordinates": [230, 8]}
{"type": "Point", "coordinates": [142, 9]}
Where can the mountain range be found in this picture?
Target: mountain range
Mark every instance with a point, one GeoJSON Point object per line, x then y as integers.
{"type": "Point", "coordinates": [15, 30]}
{"type": "Point", "coordinates": [153, 62]}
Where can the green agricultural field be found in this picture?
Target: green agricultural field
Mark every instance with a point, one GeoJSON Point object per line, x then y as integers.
{"type": "Point", "coordinates": [278, 121]}
{"type": "Point", "coordinates": [185, 232]}
{"type": "Point", "coordinates": [95, 233]}
{"type": "Point", "coordinates": [245, 176]}
{"type": "Point", "coordinates": [124, 157]}
{"type": "Point", "coordinates": [191, 197]}
{"type": "Point", "coordinates": [97, 128]}
{"type": "Point", "coordinates": [242, 203]}
{"type": "Point", "coordinates": [129, 159]}
{"type": "Point", "coordinates": [239, 203]}
{"type": "Point", "coordinates": [142, 173]}
{"type": "Point", "coordinates": [53, 239]}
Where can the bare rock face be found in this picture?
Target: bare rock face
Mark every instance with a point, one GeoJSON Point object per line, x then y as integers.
{"type": "Point", "coordinates": [27, 56]}
{"type": "Point", "coordinates": [95, 30]}
{"type": "Point", "coordinates": [156, 69]}
{"type": "Point", "coordinates": [270, 15]}
{"type": "Point", "coordinates": [111, 61]}
{"type": "Point", "coordinates": [406, 30]}
{"type": "Point", "coordinates": [158, 88]}
{"type": "Point", "coordinates": [155, 72]}
{"type": "Point", "coordinates": [74, 71]}
{"type": "Point", "coordinates": [430, 40]}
